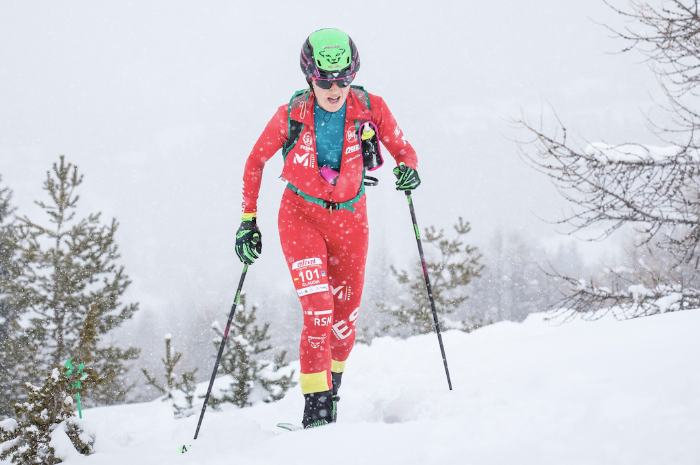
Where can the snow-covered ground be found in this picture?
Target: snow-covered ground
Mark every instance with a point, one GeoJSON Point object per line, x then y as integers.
{"type": "Point", "coordinates": [603, 392]}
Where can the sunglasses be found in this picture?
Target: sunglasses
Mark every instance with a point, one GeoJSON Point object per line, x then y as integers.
{"type": "Point", "coordinates": [328, 83]}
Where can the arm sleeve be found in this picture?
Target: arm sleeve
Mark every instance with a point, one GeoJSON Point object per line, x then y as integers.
{"type": "Point", "coordinates": [270, 141]}
{"type": "Point", "coordinates": [391, 135]}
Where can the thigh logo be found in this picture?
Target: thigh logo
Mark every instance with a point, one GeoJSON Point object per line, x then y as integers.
{"type": "Point", "coordinates": [340, 293]}
{"type": "Point", "coordinates": [323, 317]}
{"type": "Point", "coordinates": [341, 328]}
{"type": "Point", "coordinates": [315, 342]}
{"type": "Point", "coordinates": [335, 290]}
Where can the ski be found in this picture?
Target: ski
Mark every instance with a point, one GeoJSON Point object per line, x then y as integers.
{"type": "Point", "coordinates": [289, 427]}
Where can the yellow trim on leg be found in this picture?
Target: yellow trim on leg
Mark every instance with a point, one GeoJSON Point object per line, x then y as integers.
{"type": "Point", "coordinates": [314, 382]}
{"type": "Point", "coordinates": [248, 216]}
{"type": "Point", "coordinates": [337, 367]}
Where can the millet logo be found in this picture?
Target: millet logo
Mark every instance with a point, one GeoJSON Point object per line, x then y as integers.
{"type": "Point", "coordinates": [301, 159]}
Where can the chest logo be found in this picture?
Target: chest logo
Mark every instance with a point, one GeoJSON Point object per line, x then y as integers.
{"type": "Point", "coordinates": [301, 159]}
{"type": "Point", "coordinates": [351, 135]}
{"type": "Point", "coordinates": [307, 139]}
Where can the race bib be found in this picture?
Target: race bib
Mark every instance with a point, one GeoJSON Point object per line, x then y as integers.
{"type": "Point", "coordinates": [309, 276]}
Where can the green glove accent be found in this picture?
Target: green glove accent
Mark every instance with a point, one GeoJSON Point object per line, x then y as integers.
{"type": "Point", "coordinates": [407, 178]}
{"type": "Point", "coordinates": [248, 241]}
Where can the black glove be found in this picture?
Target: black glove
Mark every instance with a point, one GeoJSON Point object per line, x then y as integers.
{"type": "Point", "coordinates": [248, 241]}
{"type": "Point", "coordinates": [407, 178]}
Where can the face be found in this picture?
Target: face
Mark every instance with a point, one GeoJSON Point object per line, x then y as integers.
{"type": "Point", "coordinates": [331, 99]}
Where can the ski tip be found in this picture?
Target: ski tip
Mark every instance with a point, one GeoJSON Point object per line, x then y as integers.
{"type": "Point", "coordinates": [184, 448]}
{"type": "Point", "coordinates": [289, 427]}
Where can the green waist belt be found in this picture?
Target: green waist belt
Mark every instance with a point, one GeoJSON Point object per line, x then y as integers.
{"type": "Point", "coordinates": [325, 203]}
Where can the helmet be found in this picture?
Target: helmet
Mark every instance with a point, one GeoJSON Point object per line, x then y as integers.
{"type": "Point", "coordinates": [329, 54]}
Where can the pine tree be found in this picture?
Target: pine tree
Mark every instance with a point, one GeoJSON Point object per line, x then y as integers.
{"type": "Point", "coordinates": [179, 394]}
{"type": "Point", "coordinates": [253, 377]}
{"type": "Point", "coordinates": [450, 273]}
{"type": "Point", "coordinates": [9, 385]}
{"type": "Point", "coordinates": [65, 267]}
{"type": "Point", "coordinates": [48, 411]}
{"type": "Point", "coordinates": [7, 314]}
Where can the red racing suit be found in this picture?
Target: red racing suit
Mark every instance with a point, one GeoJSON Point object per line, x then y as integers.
{"type": "Point", "coordinates": [325, 249]}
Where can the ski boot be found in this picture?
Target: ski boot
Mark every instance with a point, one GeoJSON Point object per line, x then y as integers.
{"type": "Point", "coordinates": [336, 377]}
{"type": "Point", "coordinates": [318, 409]}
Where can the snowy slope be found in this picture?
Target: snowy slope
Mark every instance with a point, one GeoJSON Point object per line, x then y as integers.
{"type": "Point", "coordinates": [602, 392]}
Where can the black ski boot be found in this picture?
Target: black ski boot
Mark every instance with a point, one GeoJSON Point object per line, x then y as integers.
{"type": "Point", "coordinates": [336, 377]}
{"type": "Point", "coordinates": [318, 409]}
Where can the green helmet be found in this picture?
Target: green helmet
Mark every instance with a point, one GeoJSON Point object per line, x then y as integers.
{"type": "Point", "coordinates": [329, 55]}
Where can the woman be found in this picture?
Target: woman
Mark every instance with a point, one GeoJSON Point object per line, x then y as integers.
{"type": "Point", "coordinates": [323, 217]}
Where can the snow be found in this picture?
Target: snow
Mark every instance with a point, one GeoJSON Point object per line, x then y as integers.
{"type": "Point", "coordinates": [537, 392]}
{"type": "Point", "coordinates": [8, 425]}
{"type": "Point", "coordinates": [64, 447]}
{"type": "Point", "coordinates": [635, 153]}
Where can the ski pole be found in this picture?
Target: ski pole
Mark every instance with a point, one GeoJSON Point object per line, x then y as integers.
{"type": "Point", "coordinates": [221, 349]}
{"type": "Point", "coordinates": [427, 285]}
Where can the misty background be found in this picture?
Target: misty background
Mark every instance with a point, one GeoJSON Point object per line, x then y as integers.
{"type": "Point", "coordinates": [159, 104]}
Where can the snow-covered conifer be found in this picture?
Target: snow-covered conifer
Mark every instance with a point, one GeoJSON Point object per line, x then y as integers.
{"type": "Point", "coordinates": [455, 266]}
{"type": "Point", "coordinates": [48, 411]}
{"type": "Point", "coordinates": [66, 266]}
{"type": "Point", "coordinates": [254, 376]}
{"type": "Point", "coordinates": [9, 384]}
{"type": "Point", "coordinates": [179, 394]}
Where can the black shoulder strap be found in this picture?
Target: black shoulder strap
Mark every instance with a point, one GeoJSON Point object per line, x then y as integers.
{"type": "Point", "coordinates": [294, 127]}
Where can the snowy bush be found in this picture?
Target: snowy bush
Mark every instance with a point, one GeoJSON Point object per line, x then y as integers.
{"type": "Point", "coordinates": [44, 415]}
{"type": "Point", "coordinates": [178, 393]}
{"type": "Point", "coordinates": [451, 272]}
{"type": "Point", "coordinates": [254, 375]}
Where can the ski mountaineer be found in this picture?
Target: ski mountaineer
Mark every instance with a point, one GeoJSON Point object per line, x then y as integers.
{"type": "Point", "coordinates": [328, 134]}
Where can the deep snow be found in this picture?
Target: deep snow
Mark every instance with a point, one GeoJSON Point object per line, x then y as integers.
{"type": "Point", "coordinates": [603, 392]}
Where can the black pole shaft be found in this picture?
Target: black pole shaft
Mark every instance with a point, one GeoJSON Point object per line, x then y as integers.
{"type": "Point", "coordinates": [427, 285]}
{"type": "Point", "coordinates": [221, 348]}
